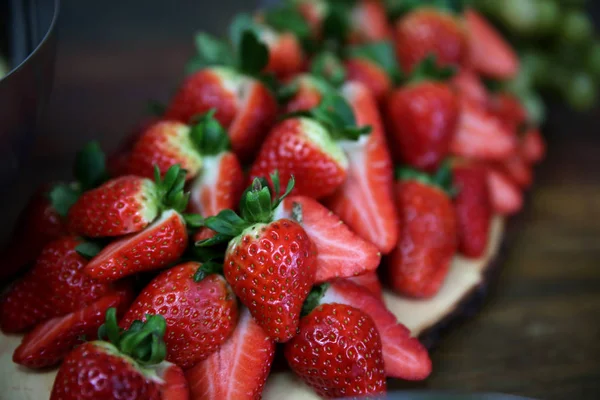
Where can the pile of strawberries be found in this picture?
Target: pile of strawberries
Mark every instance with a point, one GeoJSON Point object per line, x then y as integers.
{"type": "Point", "coordinates": [256, 209]}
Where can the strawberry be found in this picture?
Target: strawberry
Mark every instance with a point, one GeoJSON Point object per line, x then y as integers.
{"type": "Point", "coordinates": [422, 119]}
{"type": "Point", "coordinates": [490, 54]}
{"type": "Point", "coordinates": [313, 12]}
{"type": "Point", "coordinates": [509, 110]}
{"type": "Point", "coordinates": [533, 147]}
{"type": "Point", "coordinates": [517, 168]}
{"type": "Point", "coordinates": [303, 93]}
{"type": "Point", "coordinates": [368, 22]}
{"type": "Point", "coordinates": [131, 366]}
{"type": "Point", "coordinates": [199, 308]}
{"type": "Point", "coordinates": [286, 57]}
{"type": "Point", "coordinates": [481, 135]}
{"type": "Point", "coordinates": [468, 85]}
{"type": "Point", "coordinates": [506, 196]}
{"type": "Point", "coordinates": [404, 356]}
{"type": "Point", "coordinates": [126, 204]}
{"type": "Point", "coordinates": [160, 244]}
{"type": "Point", "coordinates": [239, 369]}
{"type": "Point", "coordinates": [270, 264]}
{"type": "Point", "coordinates": [341, 253]}
{"type": "Point", "coordinates": [338, 353]}
{"type": "Point", "coordinates": [370, 281]}
{"type": "Point", "coordinates": [365, 201]}
{"type": "Point", "coordinates": [55, 286]}
{"type": "Point", "coordinates": [224, 79]}
{"type": "Point", "coordinates": [473, 208]}
{"type": "Point", "coordinates": [427, 31]}
{"type": "Point", "coordinates": [52, 340]}
{"type": "Point", "coordinates": [43, 218]}
{"type": "Point", "coordinates": [305, 147]}
{"type": "Point", "coordinates": [428, 235]}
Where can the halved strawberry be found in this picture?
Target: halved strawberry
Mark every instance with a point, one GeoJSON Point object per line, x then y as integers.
{"type": "Point", "coordinates": [158, 245]}
{"type": "Point", "coordinates": [518, 169]}
{"type": "Point", "coordinates": [370, 281]}
{"type": "Point", "coordinates": [175, 386]}
{"type": "Point", "coordinates": [509, 110]}
{"type": "Point", "coordinates": [469, 85]}
{"type": "Point", "coordinates": [365, 201]}
{"type": "Point", "coordinates": [490, 54]}
{"type": "Point", "coordinates": [370, 75]}
{"type": "Point", "coordinates": [405, 357]}
{"type": "Point", "coordinates": [506, 196]}
{"type": "Point", "coordinates": [52, 340]}
{"type": "Point", "coordinates": [286, 57]}
{"type": "Point", "coordinates": [481, 135]}
{"type": "Point", "coordinates": [533, 147]}
{"type": "Point", "coordinates": [305, 92]}
{"type": "Point", "coordinates": [340, 252]}
{"type": "Point", "coordinates": [239, 369]}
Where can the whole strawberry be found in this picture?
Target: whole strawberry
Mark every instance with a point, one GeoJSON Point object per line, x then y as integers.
{"type": "Point", "coordinates": [130, 366]}
{"type": "Point", "coordinates": [200, 310]}
{"type": "Point", "coordinates": [126, 204]}
{"type": "Point", "coordinates": [428, 238]}
{"type": "Point", "coordinates": [270, 264]}
{"type": "Point", "coordinates": [422, 118]}
{"type": "Point", "coordinates": [338, 352]}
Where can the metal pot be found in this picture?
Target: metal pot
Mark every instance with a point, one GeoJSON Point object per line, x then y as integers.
{"type": "Point", "coordinates": [24, 91]}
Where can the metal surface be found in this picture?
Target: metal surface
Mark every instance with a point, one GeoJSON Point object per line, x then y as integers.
{"type": "Point", "coordinates": [25, 89]}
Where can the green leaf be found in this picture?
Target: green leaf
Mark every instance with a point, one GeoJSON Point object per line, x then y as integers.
{"type": "Point", "coordinates": [211, 52]}
{"type": "Point", "coordinates": [89, 250]}
{"type": "Point", "coordinates": [63, 196]}
{"type": "Point", "coordinates": [287, 92]}
{"type": "Point", "coordinates": [256, 203]}
{"type": "Point", "coordinates": [381, 53]}
{"type": "Point", "coordinates": [218, 239]}
{"type": "Point", "coordinates": [314, 297]}
{"type": "Point", "coordinates": [193, 220]}
{"type": "Point", "coordinates": [336, 24]}
{"type": "Point", "coordinates": [335, 112]}
{"type": "Point", "coordinates": [207, 268]}
{"type": "Point", "coordinates": [90, 166]}
{"type": "Point", "coordinates": [287, 18]}
{"type": "Point", "coordinates": [227, 222]}
{"type": "Point", "coordinates": [253, 54]}
{"type": "Point", "coordinates": [329, 67]}
{"type": "Point", "coordinates": [209, 136]}
{"type": "Point", "coordinates": [428, 70]}
{"type": "Point", "coordinates": [241, 24]}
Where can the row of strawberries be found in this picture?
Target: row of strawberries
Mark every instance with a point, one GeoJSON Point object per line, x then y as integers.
{"type": "Point", "coordinates": [304, 278]}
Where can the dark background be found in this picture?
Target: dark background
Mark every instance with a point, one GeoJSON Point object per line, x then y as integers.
{"type": "Point", "coordinates": [538, 334]}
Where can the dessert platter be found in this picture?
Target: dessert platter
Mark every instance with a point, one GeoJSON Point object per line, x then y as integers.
{"type": "Point", "coordinates": [331, 183]}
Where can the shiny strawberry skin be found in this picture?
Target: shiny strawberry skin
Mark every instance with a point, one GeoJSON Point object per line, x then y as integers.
{"type": "Point", "coordinates": [404, 356]}
{"type": "Point", "coordinates": [239, 369]}
{"type": "Point", "coordinates": [157, 246]}
{"type": "Point", "coordinates": [422, 122]}
{"type": "Point", "coordinates": [370, 281]}
{"type": "Point", "coordinates": [370, 75]}
{"type": "Point", "coordinates": [469, 85]}
{"type": "Point", "coordinates": [473, 208]}
{"type": "Point", "coordinates": [120, 206]}
{"type": "Point", "coordinates": [52, 340]}
{"type": "Point", "coordinates": [286, 57]}
{"type": "Point", "coordinates": [365, 201]}
{"type": "Point", "coordinates": [427, 31]}
{"type": "Point", "coordinates": [37, 225]}
{"type": "Point", "coordinates": [200, 316]}
{"type": "Point", "coordinates": [271, 268]}
{"type": "Point", "coordinates": [95, 370]}
{"type": "Point", "coordinates": [509, 110]}
{"type": "Point", "coordinates": [369, 22]}
{"type": "Point", "coordinates": [218, 187]}
{"type": "Point", "coordinates": [164, 144]}
{"type": "Point", "coordinates": [290, 150]}
{"type": "Point", "coordinates": [338, 352]}
{"type": "Point", "coordinates": [428, 240]}
{"type": "Point", "coordinates": [55, 286]}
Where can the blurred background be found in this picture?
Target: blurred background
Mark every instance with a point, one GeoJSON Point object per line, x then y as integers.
{"type": "Point", "coordinates": [537, 334]}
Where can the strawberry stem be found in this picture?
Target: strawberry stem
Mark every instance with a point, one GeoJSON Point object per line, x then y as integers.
{"type": "Point", "coordinates": [208, 135]}
{"type": "Point", "coordinates": [428, 70]}
{"type": "Point", "coordinates": [170, 188]}
{"type": "Point", "coordinates": [441, 179]}
{"type": "Point", "coordinates": [208, 268]}
{"type": "Point", "coordinates": [314, 298]}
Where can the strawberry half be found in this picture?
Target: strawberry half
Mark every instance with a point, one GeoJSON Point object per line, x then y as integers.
{"type": "Point", "coordinates": [506, 195]}
{"type": "Point", "coordinates": [286, 57]}
{"type": "Point", "coordinates": [199, 308]}
{"type": "Point", "coordinates": [533, 147]}
{"type": "Point", "coordinates": [370, 281]}
{"type": "Point", "coordinates": [130, 366]}
{"type": "Point", "coordinates": [340, 252]}
{"type": "Point", "coordinates": [338, 353]}
{"type": "Point", "coordinates": [239, 369]}
{"type": "Point", "coordinates": [55, 286]}
{"type": "Point", "coordinates": [468, 85]}
{"type": "Point", "coordinates": [489, 53]}
{"type": "Point", "coordinates": [473, 208]}
{"type": "Point", "coordinates": [365, 200]}
{"type": "Point", "coordinates": [270, 264]}
{"type": "Point", "coordinates": [428, 237]}
{"type": "Point", "coordinates": [404, 356]}
{"type": "Point", "coordinates": [52, 340]}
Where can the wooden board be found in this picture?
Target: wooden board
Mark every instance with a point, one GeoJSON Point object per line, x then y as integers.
{"type": "Point", "coordinates": [420, 316]}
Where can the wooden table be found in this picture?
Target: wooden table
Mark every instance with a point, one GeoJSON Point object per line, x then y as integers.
{"type": "Point", "coordinates": [537, 335]}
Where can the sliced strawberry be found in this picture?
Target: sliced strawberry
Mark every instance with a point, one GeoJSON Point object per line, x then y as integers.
{"type": "Point", "coordinates": [490, 54]}
{"type": "Point", "coordinates": [369, 74]}
{"type": "Point", "coordinates": [239, 369]}
{"type": "Point", "coordinates": [52, 340]}
{"type": "Point", "coordinates": [469, 85]}
{"type": "Point", "coordinates": [175, 386]}
{"type": "Point", "coordinates": [219, 185]}
{"type": "Point", "coordinates": [404, 356]}
{"type": "Point", "coordinates": [509, 110]}
{"type": "Point", "coordinates": [518, 169]}
{"type": "Point", "coordinates": [482, 135]}
{"type": "Point", "coordinates": [533, 147]}
{"type": "Point", "coordinates": [507, 198]}
{"type": "Point", "coordinates": [155, 247]}
{"type": "Point", "coordinates": [341, 253]}
{"type": "Point", "coordinates": [365, 201]}
{"type": "Point", "coordinates": [370, 281]}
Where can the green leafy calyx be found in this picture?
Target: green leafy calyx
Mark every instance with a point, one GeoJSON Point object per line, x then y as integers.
{"type": "Point", "coordinates": [209, 136]}
{"type": "Point", "coordinates": [441, 179]}
{"type": "Point", "coordinates": [382, 54]}
{"type": "Point", "coordinates": [170, 188]}
{"type": "Point", "coordinates": [314, 297]}
{"type": "Point", "coordinates": [428, 70]}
